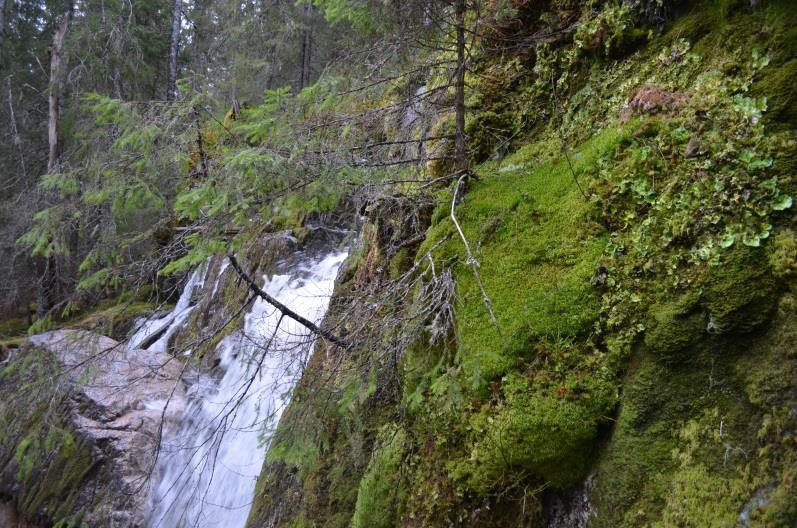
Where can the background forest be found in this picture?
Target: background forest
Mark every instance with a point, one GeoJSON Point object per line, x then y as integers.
{"type": "Point", "coordinates": [118, 113]}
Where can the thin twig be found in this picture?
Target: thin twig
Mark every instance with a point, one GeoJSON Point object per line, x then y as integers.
{"type": "Point", "coordinates": [472, 262]}
{"type": "Point", "coordinates": [562, 139]}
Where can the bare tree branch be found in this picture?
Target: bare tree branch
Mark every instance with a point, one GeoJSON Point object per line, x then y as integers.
{"type": "Point", "coordinates": [284, 309]}
{"type": "Point", "coordinates": [473, 263]}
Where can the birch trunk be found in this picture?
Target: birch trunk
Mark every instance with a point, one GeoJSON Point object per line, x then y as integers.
{"type": "Point", "coordinates": [54, 100]}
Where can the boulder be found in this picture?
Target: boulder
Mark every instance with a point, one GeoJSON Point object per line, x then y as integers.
{"type": "Point", "coordinates": [81, 415]}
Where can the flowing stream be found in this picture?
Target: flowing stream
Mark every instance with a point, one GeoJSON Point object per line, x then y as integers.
{"type": "Point", "coordinates": [206, 471]}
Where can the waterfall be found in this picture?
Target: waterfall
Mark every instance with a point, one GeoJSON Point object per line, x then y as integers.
{"type": "Point", "coordinates": [414, 109]}
{"type": "Point", "coordinates": [162, 329]}
{"type": "Point", "coordinates": [206, 472]}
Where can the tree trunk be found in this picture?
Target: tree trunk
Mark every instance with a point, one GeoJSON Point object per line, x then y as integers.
{"type": "Point", "coordinates": [460, 156]}
{"type": "Point", "coordinates": [62, 24]}
{"type": "Point", "coordinates": [177, 17]}
{"type": "Point", "coordinates": [2, 19]}
{"type": "Point", "coordinates": [46, 265]}
{"type": "Point", "coordinates": [307, 46]}
{"type": "Point", "coordinates": [14, 130]}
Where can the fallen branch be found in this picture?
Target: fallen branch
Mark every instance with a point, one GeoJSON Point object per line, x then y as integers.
{"type": "Point", "coordinates": [472, 262]}
{"type": "Point", "coordinates": [287, 312]}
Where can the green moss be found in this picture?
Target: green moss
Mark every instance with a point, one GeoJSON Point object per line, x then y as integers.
{"type": "Point", "coordinates": [655, 400]}
{"type": "Point", "coordinates": [769, 368]}
{"type": "Point", "coordinates": [783, 254]}
{"type": "Point", "coordinates": [740, 293]}
{"type": "Point", "coordinates": [536, 263]}
{"type": "Point", "coordinates": [711, 431]}
{"type": "Point", "coordinates": [114, 320]}
{"type": "Point", "coordinates": [14, 341]}
{"type": "Point", "coordinates": [26, 454]}
{"type": "Point", "coordinates": [781, 509]}
{"type": "Point", "coordinates": [400, 262]}
{"type": "Point", "coordinates": [675, 325]}
{"type": "Point", "coordinates": [698, 497]}
{"type": "Point", "coordinates": [544, 436]}
{"type": "Point", "coordinates": [56, 490]}
{"type": "Point", "coordinates": [52, 461]}
{"type": "Point", "coordinates": [380, 487]}
{"type": "Point", "coordinates": [13, 327]}
{"type": "Point", "coordinates": [777, 84]}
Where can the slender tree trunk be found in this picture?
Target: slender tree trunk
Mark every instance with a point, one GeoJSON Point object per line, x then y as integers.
{"type": "Point", "coordinates": [55, 92]}
{"type": "Point", "coordinates": [177, 17]}
{"type": "Point", "coordinates": [17, 138]}
{"type": "Point", "coordinates": [2, 19]}
{"type": "Point", "coordinates": [46, 266]}
{"type": "Point", "coordinates": [307, 46]}
{"type": "Point", "coordinates": [202, 162]}
{"type": "Point", "coordinates": [460, 156]}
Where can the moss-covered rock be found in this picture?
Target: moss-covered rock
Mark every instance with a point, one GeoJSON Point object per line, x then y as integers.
{"type": "Point", "coordinates": [740, 295]}
{"type": "Point", "coordinates": [676, 325]}
{"type": "Point", "coordinates": [547, 437]}
{"type": "Point", "coordinates": [73, 448]}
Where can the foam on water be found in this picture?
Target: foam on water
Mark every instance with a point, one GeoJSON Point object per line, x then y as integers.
{"type": "Point", "coordinates": [207, 471]}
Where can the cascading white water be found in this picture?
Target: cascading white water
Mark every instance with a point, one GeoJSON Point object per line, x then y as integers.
{"type": "Point", "coordinates": [207, 471]}
{"type": "Point", "coordinates": [171, 322]}
{"type": "Point", "coordinates": [414, 109]}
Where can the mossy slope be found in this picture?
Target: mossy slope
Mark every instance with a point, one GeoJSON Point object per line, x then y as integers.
{"type": "Point", "coordinates": [637, 248]}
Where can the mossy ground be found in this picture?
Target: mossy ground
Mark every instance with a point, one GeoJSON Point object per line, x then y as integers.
{"type": "Point", "coordinates": [113, 316]}
{"type": "Point", "coordinates": [537, 248]}
{"type": "Point", "coordinates": [114, 319]}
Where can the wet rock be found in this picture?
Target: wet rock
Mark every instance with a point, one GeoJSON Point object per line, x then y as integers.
{"type": "Point", "coordinates": [107, 403]}
{"type": "Point", "coordinates": [572, 509]}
